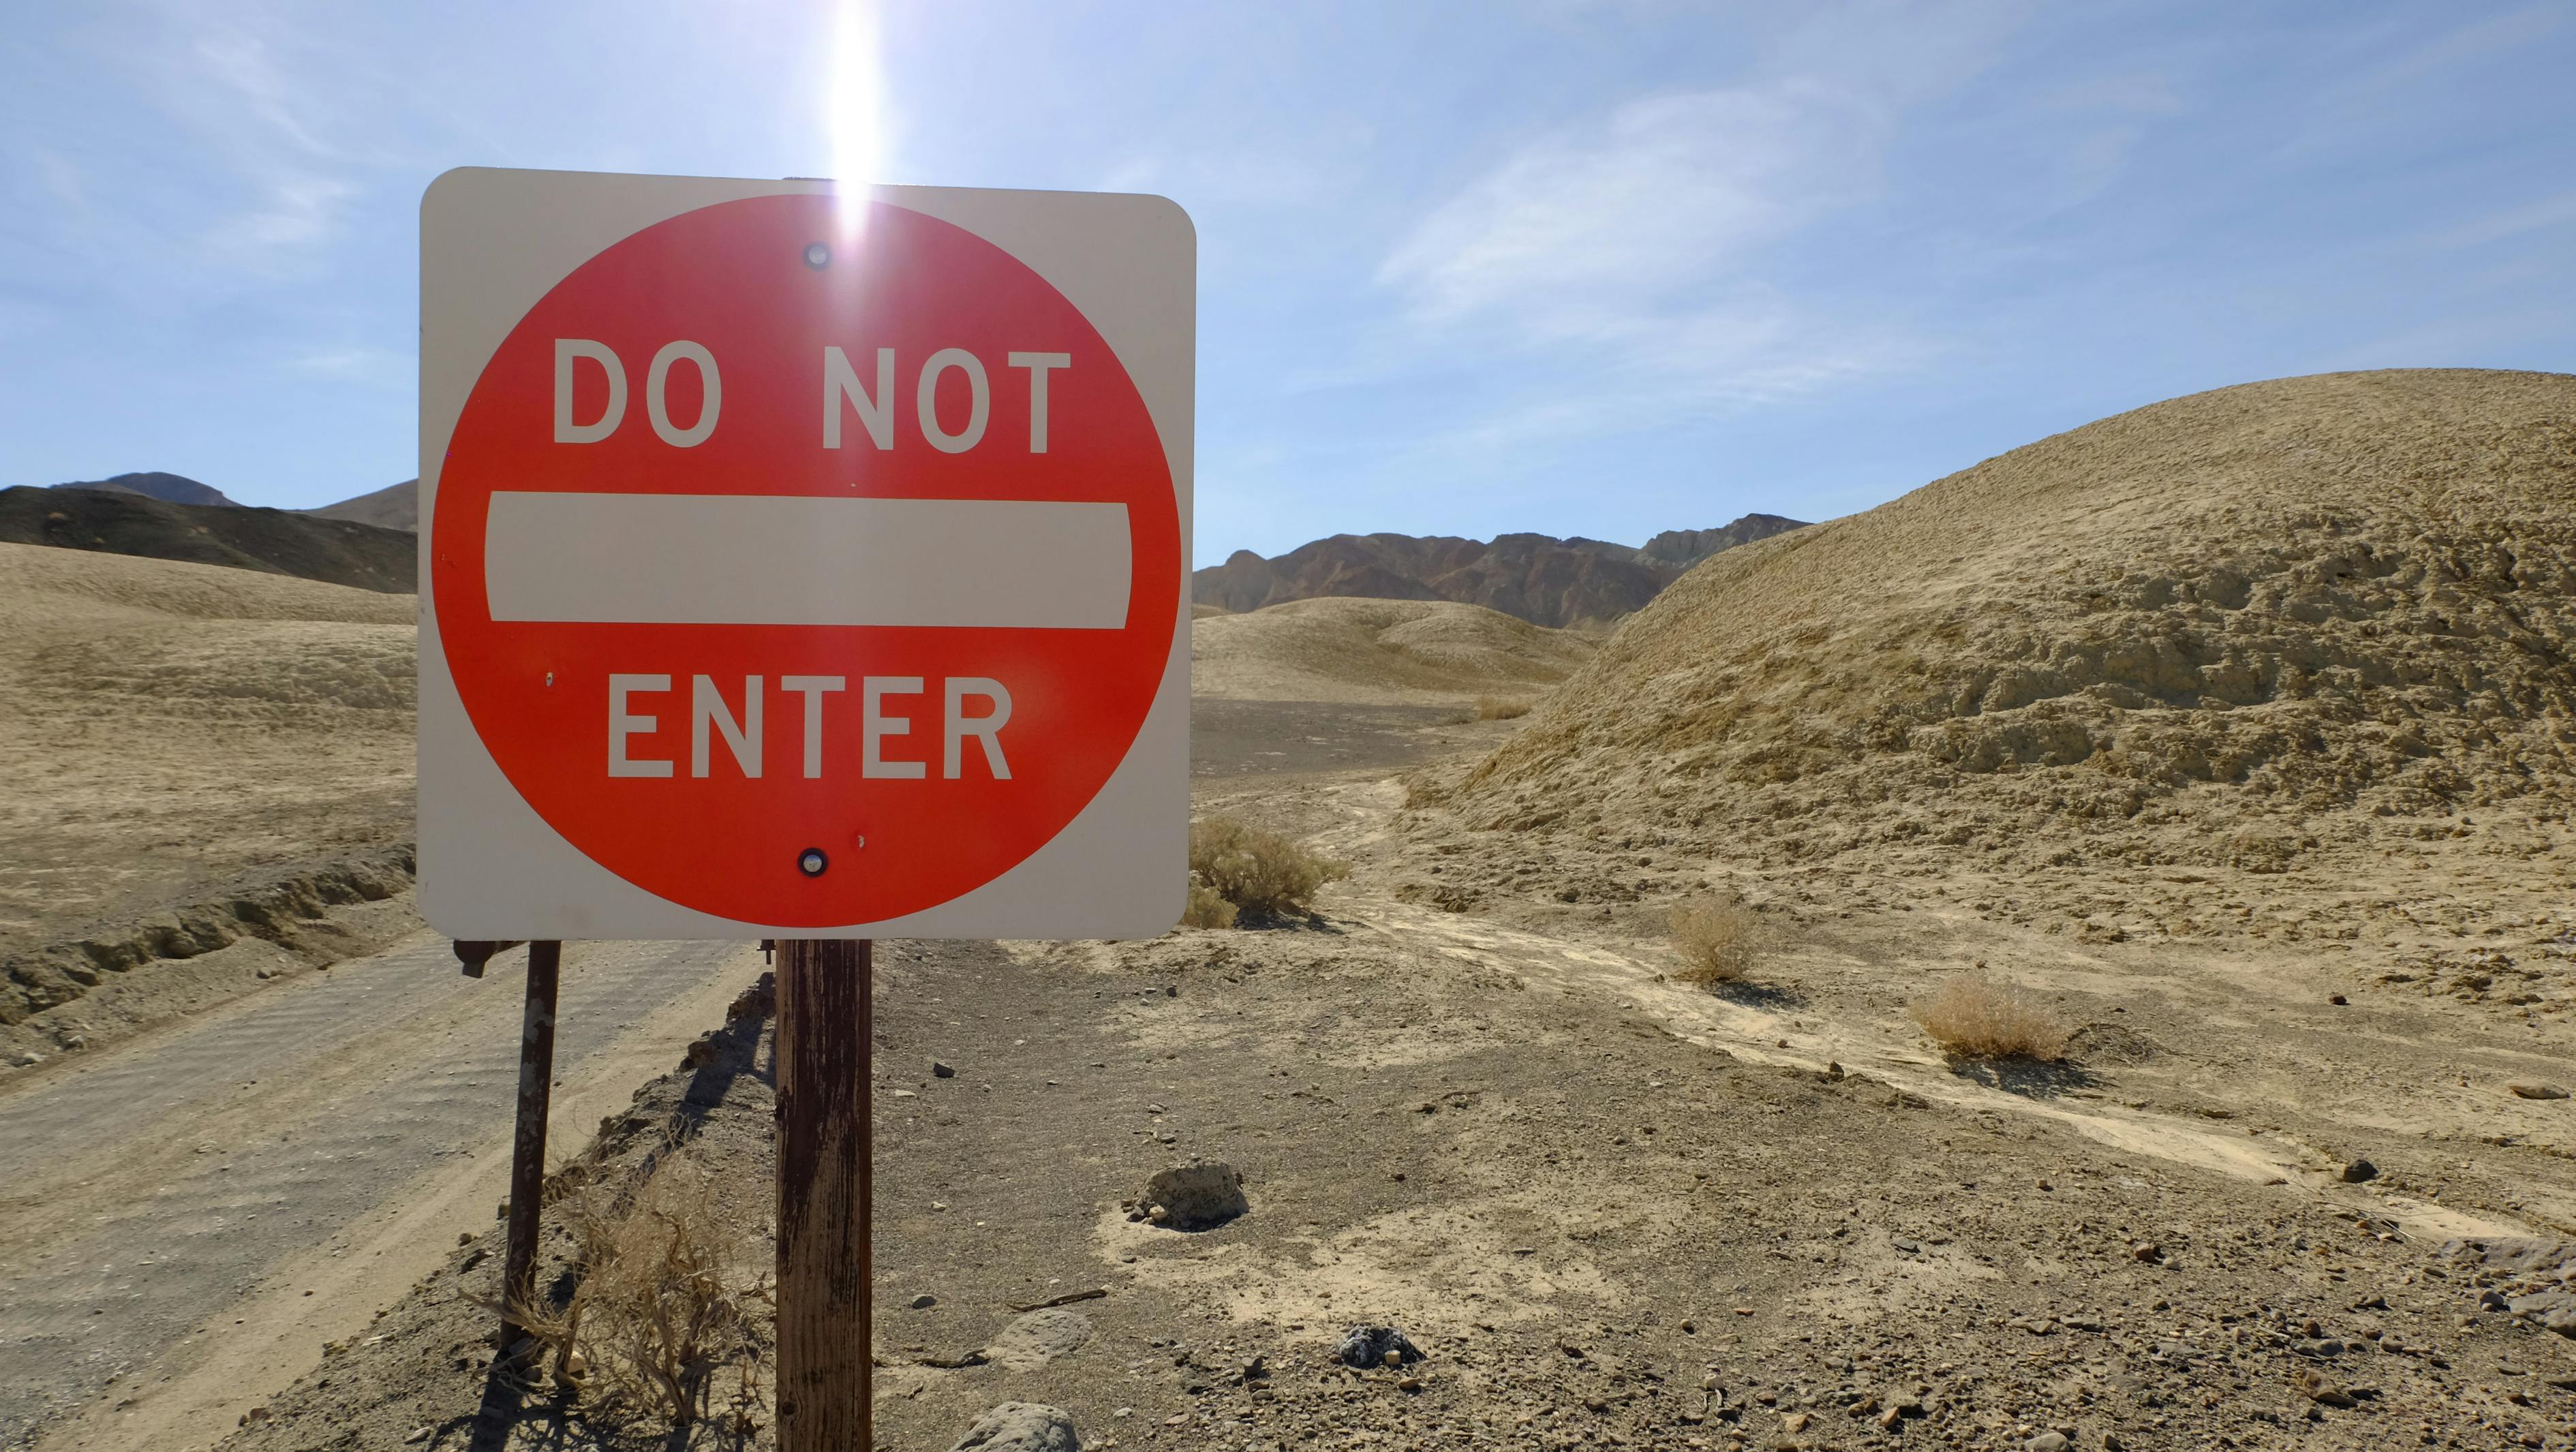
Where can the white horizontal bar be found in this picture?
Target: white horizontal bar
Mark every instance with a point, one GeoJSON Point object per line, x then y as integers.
{"type": "Point", "coordinates": [795, 559]}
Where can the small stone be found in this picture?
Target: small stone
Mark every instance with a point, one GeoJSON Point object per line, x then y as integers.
{"type": "Point", "coordinates": [1410, 1383]}
{"type": "Point", "coordinates": [2320, 1389]}
{"type": "Point", "coordinates": [1796, 1422]}
{"type": "Point", "coordinates": [29, 1060]}
{"type": "Point", "coordinates": [255, 1414]}
{"type": "Point", "coordinates": [939, 1070]}
{"type": "Point", "coordinates": [2337, 1000]}
{"type": "Point", "coordinates": [2359, 1170]}
{"type": "Point", "coordinates": [2536, 1091]}
{"type": "Point", "coordinates": [2146, 1251]}
{"type": "Point", "coordinates": [463, 1237]}
{"type": "Point", "coordinates": [924, 1301]}
{"type": "Point", "coordinates": [2046, 1442]}
{"type": "Point", "coordinates": [420, 1433]}
{"type": "Point", "coordinates": [1022, 1427]}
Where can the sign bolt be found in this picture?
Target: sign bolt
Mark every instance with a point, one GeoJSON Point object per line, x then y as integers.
{"type": "Point", "coordinates": [817, 256]}
{"type": "Point", "coordinates": [811, 862]}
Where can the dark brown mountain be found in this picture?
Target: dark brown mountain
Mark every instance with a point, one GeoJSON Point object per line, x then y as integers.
{"type": "Point", "coordinates": [1536, 577]}
{"type": "Point", "coordinates": [172, 488]}
{"type": "Point", "coordinates": [277, 541]}
{"type": "Point", "coordinates": [1687, 547]}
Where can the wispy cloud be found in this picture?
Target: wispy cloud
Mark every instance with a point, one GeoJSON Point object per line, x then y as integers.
{"type": "Point", "coordinates": [1589, 231]}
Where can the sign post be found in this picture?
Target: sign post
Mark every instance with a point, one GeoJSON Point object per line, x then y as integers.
{"type": "Point", "coordinates": [528, 1141]}
{"type": "Point", "coordinates": [824, 1275]}
{"type": "Point", "coordinates": [809, 564]}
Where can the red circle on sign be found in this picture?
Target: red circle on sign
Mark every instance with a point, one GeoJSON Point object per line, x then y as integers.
{"type": "Point", "coordinates": [763, 287]}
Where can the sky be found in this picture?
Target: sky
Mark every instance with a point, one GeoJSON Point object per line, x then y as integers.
{"type": "Point", "coordinates": [1598, 267]}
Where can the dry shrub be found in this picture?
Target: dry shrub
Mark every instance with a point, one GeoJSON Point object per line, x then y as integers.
{"type": "Point", "coordinates": [1255, 871]}
{"type": "Point", "coordinates": [667, 1282]}
{"type": "Point", "coordinates": [1496, 708]}
{"type": "Point", "coordinates": [1975, 1019]}
{"type": "Point", "coordinates": [1206, 909]}
{"type": "Point", "coordinates": [1716, 938]}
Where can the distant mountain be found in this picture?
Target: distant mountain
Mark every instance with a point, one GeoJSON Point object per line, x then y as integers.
{"type": "Point", "coordinates": [1536, 577]}
{"type": "Point", "coordinates": [277, 541]}
{"type": "Point", "coordinates": [396, 506]}
{"type": "Point", "coordinates": [1687, 547]}
{"type": "Point", "coordinates": [175, 488]}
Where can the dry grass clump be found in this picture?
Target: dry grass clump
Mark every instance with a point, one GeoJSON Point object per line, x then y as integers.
{"type": "Point", "coordinates": [667, 1283]}
{"type": "Point", "coordinates": [1499, 708]}
{"type": "Point", "coordinates": [1254, 871]}
{"type": "Point", "coordinates": [1972, 1018]}
{"type": "Point", "coordinates": [1716, 937]}
{"type": "Point", "coordinates": [1206, 909]}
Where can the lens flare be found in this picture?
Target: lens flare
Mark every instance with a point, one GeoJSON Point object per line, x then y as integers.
{"type": "Point", "coordinates": [854, 106]}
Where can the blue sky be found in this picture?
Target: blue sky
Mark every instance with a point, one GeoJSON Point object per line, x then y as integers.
{"type": "Point", "coordinates": [1600, 268]}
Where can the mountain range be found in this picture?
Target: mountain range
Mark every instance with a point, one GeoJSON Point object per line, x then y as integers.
{"type": "Point", "coordinates": [1535, 577]}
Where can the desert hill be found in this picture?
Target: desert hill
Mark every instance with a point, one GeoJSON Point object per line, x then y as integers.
{"type": "Point", "coordinates": [1377, 651]}
{"type": "Point", "coordinates": [153, 484]}
{"type": "Point", "coordinates": [2270, 626]}
{"type": "Point", "coordinates": [1538, 578]}
{"type": "Point", "coordinates": [396, 506]}
{"type": "Point", "coordinates": [166, 727]}
{"type": "Point", "coordinates": [276, 541]}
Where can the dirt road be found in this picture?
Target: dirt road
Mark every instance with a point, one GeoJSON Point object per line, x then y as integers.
{"type": "Point", "coordinates": [189, 1216]}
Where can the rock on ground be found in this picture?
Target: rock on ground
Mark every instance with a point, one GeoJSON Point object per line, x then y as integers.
{"type": "Point", "coordinates": [1198, 1195]}
{"type": "Point", "coordinates": [1021, 1427]}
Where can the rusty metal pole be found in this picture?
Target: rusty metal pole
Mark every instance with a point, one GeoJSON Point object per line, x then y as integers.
{"type": "Point", "coordinates": [528, 1151]}
{"type": "Point", "coordinates": [823, 1190]}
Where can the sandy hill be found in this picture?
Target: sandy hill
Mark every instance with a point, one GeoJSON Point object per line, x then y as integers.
{"type": "Point", "coordinates": [396, 506]}
{"type": "Point", "coordinates": [276, 541]}
{"type": "Point", "coordinates": [165, 726]}
{"type": "Point", "coordinates": [1379, 651]}
{"type": "Point", "coordinates": [1535, 577]}
{"type": "Point", "coordinates": [154, 484]}
{"type": "Point", "coordinates": [2272, 625]}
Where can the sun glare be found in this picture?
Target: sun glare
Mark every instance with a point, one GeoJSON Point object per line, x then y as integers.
{"type": "Point", "coordinates": [854, 104]}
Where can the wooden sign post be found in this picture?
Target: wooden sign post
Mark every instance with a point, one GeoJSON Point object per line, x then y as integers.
{"type": "Point", "coordinates": [824, 1270]}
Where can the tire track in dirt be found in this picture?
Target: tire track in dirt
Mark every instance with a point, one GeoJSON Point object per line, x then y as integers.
{"type": "Point", "coordinates": [152, 1192]}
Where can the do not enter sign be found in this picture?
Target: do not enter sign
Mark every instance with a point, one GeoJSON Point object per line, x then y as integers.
{"type": "Point", "coordinates": [802, 563]}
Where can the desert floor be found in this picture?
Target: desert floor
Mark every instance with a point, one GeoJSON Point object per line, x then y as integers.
{"type": "Point", "coordinates": [1613, 1210]}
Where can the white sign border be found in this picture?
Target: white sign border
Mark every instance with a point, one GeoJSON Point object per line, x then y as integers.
{"type": "Point", "coordinates": [493, 243]}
